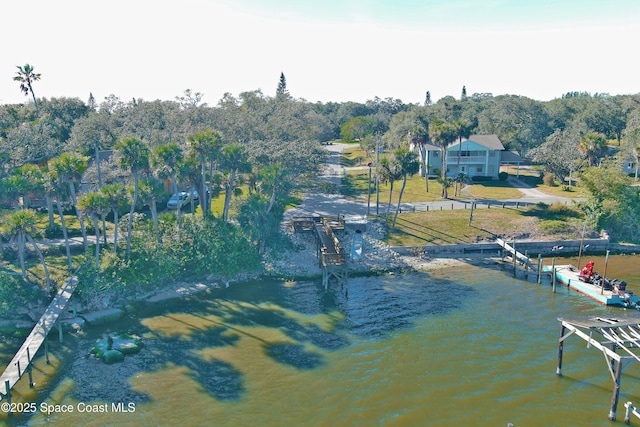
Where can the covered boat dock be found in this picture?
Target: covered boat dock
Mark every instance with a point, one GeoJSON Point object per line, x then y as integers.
{"type": "Point", "coordinates": [617, 337]}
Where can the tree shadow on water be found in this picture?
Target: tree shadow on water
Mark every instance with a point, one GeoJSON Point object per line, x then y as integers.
{"type": "Point", "coordinates": [295, 355]}
{"type": "Point", "coordinates": [218, 378]}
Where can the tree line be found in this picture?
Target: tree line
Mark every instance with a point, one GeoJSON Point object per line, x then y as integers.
{"type": "Point", "coordinates": [267, 144]}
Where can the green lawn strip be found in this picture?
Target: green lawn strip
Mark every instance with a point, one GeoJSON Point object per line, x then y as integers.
{"type": "Point", "coordinates": [356, 184]}
{"type": "Point", "coordinates": [451, 227]}
{"type": "Point", "coordinates": [494, 190]}
{"type": "Point", "coordinates": [353, 156]}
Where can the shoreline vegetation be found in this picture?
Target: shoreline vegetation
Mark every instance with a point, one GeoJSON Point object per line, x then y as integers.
{"type": "Point", "coordinates": [297, 261]}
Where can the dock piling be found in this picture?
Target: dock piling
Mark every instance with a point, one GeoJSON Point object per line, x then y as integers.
{"type": "Point", "coordinates": [560, 350]}
{"type": "Point", "coordinates": [539, 268]}
{"type": "Point", "coordinates": [553, 275]}
{"type": "Point", "coordinates": [616, 392]}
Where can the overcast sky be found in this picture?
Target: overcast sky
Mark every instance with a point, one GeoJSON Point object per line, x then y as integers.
{"type": "Point", "coordinates": [329, 50]}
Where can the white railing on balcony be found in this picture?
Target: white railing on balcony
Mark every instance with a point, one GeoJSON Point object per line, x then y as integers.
{"type": "Point", "coordinates": [453, 159]}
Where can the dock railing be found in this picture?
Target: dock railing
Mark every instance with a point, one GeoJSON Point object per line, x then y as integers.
{"type": "Point", "coordinates": [631, 410]}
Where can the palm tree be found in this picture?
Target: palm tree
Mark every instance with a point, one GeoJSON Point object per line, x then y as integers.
{"type": "Point", "coordinates": [21, 225]}
{"type": "Point", "coordinates": [26, 76]}
{"type": "Point", "coordinates": [390, 173]}
{"type": "Point", "coordinates": [206, 144]}
{"type": "Point", "coordinates": [150, 190]}
{"type": "Point", "coordinates": [463, 130]}
{"type": "Point", "coordinates": [54, 186]}
{"type": "Point", "coordinates": [93, 204]}
{"type": "Point", "coordinates": [593, 145]}
{"type": "Point", "coordinates": [166, 161]}
{"type": "Point", "coordinates": [409, 166]}
{"type": "Point", "coordinates": [442, 134]}
{"type": "Point", "coordinates": [234, 161]}
{"type": "Point", "coordinates": [69, 168]}
{"type": "Point", "coordinates": [134, 155]}
{"type": "Point", "coordinates": [115, 195]}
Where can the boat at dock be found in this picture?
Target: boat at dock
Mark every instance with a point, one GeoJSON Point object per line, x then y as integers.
{"type": "Point", "coordinates": [591, 284]}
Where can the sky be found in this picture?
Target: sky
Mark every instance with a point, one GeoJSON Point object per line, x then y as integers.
{"type": "Point", "coordinates": [328, 50]}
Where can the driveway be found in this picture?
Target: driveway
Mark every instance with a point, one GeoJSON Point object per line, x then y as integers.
{"type": "Point", "coordinates": [336, 204]}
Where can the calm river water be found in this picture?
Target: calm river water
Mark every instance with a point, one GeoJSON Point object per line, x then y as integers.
{"type": "Point", "coordinates": [468, 346]}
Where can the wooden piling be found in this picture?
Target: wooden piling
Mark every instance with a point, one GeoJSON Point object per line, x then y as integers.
{"type": "Point", "coordinates": [553, 275]}
{"type": "Point", "coordinates": [60, 331]}
{"type": "Point", "coordinates": [515, 258]}
{"type": "Point", "coordinates": [8, 396]}
{"type": "Point", "coordinates": [560, 350]}
{"type": "Point", "coordinates": [539, 268]}
{"type": "Point", "coordinates": [616, 392]}
{"type": "Point", "coordinates": [29, 368]}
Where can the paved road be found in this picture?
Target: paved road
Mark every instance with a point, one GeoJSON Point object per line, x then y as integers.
{"type": "Point", "coordinates": [332, 204]}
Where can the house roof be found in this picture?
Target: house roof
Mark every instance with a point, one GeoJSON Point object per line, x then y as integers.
{"type": "Point", "coordinates": [510, 157]}
{"type": "Point", "coordinates": [490, 141]}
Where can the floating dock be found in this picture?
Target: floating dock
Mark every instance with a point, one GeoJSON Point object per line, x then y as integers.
{"type": "Point", "coordinates": [568, 275]}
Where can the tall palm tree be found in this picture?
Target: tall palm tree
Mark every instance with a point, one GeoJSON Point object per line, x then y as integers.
{"type": "Point", "coordinates": [234, 161]}
{"type": "Point", "coordinates": [409, 166]}
{"type": "Point", "coordinates": [593, 145]}
{"type": "Point", "coordinates": [134, 155]}
{"type": "Point", "coordinates": [54, 186]}
{"type": "Point", "coordinates": [206, 144]}
{"type": "Point", "coordinates": [70, 167]}
{"type": "Point", "coordinates": [463, 130]}
{"type": "Point", "coordinates": [21, 225]}
{"type": "Point", "coordinates": [390, 173]}
{"type": "Point", "coordinates": [166, 160]}
{"type": "Point", "coordinates": [115, 195]}
{"type": "Point", "coordinates": [442, 134]}
{"type": "Point", "coordinates": [26, 76]}
{"type": "Point", "coordinates": [93, 204]}
{"type": "Point", "coordinates": [150, 190]}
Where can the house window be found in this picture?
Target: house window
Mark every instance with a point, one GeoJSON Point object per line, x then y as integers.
{"type": "Point", "coordinates": [492, 153]}
{"type": "Point", "coordinates": [435, 154]}
{"type": "Point", "coordinates": [479, 169]}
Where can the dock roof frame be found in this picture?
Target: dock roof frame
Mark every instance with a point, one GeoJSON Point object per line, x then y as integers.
{"type": "Point", "coordinates": [607, 334]}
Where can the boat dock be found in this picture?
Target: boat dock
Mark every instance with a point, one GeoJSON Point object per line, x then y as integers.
{"type": "Point", "coordinates": [331, 256]}
{"type": "Point", "coordinates": [618, 338]}
{"type": "Point", "coordinates": [569, 276]}
{"type": "Point", "coordinates": [517, 256]}
{"type": "Point", "coordinates": [22, 361]}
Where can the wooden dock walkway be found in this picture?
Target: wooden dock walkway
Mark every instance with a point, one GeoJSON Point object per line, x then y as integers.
{"type": "Point", "coordinates": [21, 362]}
{"type": "Point", "coordinates": [520, 257]}
{"type": "Point", "coordinates": [332, 258]}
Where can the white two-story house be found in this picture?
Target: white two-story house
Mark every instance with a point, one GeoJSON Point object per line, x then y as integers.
{"type": "Point", "coordinates": [479, 155]}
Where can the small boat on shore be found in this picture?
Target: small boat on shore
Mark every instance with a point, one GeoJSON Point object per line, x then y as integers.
{"type": "Point", "coordinates": [591, 284]}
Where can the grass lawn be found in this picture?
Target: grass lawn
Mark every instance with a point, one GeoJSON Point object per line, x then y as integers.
{"type": "Point", "coordinates": [353, 156]}
{"type": "Point", "coordinates": [452, 226]}
{"type": "Point", "coordinates": [356, 185]}
{"type": "Point", "coordinates": [494, 190]}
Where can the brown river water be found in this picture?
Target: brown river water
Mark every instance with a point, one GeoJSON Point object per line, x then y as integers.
{"type": "Point", "coordinates": [468, 346]}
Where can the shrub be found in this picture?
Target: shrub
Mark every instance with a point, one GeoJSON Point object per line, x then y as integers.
{"type": "Point", "coordinates": [503, 176]}
{"type": "Point", "coordinates": [479, 178]}
{"type": "Point", "coordinates": [549, 180]}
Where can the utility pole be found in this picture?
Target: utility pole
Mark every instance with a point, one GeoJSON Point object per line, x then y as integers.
{"type": "Point", "coordinates": [377, 173]}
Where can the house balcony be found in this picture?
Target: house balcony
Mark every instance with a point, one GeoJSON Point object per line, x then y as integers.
{"type": "Point", "coordinates": [465, 160]}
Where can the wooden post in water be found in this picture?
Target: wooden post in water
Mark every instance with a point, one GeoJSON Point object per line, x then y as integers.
{"type": "Point", "coordinates": [539, 268]}
{"type": "Point", "coordinates": [8, 395]}
{"type": "Point", "coordinates": [526, 265]}
{"type": "Point", "coordinates": [553, 274]}
{"type": "Point", "coordinates": [60, 331]}
{"type": "Point", "coordinates": [604, 275]}
{"type": "Point", "coordinates": [560, 350]}
{"type": "Point", "coordinates": [514, 257]}
{"type": "Point", "coordinates": [46, 350]}
{"type": "Point", "coordinates": [29, 368]}
{"type": "Point", "coordinates": [616, 392]}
